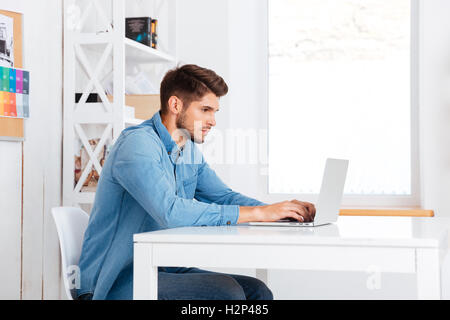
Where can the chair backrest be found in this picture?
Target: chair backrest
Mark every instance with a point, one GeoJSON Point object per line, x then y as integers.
{"type": "Point", "coordinates": [71, 223]}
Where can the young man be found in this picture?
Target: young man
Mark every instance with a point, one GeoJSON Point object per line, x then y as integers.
{"type": "Point", "coordinates": [156, 178]}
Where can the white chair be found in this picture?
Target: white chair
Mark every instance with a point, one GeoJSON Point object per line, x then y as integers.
{"type": "Point", "coordinates": [71, 223]}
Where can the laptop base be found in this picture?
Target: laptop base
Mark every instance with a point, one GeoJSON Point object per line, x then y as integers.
{"type": "Point", "coordinates": [287, 224]}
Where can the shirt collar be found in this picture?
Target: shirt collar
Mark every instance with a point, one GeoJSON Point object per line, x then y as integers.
{"type": "Point", "coordinates": [171, 146]}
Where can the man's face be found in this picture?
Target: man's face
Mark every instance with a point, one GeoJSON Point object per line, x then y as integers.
{"type": "Point", "coordinates": [199, 117]}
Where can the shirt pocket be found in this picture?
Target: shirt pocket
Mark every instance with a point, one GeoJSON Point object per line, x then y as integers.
{"type": "Point", "coordinates": [189, 186]}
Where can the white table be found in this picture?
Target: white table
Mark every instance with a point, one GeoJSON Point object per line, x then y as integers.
{"type": "Point", "coordinates": [386, 244]}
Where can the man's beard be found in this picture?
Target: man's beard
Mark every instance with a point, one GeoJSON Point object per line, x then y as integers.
{"type": "Point", "coordinates": [182, 125]}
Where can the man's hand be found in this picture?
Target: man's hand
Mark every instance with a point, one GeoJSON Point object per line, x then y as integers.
{"type": "Point", "coordinates": [309, 206]}
{"type": "Point", "coordinates": [298, 210]}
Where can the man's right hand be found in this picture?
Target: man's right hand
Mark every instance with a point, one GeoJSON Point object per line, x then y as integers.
{"type": "Point", "coordinates": [297, 210]}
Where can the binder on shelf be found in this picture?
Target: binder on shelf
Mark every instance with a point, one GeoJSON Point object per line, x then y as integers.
{"type": "Point", "coordinates": [92, 98]}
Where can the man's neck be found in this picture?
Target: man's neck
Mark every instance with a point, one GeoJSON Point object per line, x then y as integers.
{"type": "Point", "coordinates": [171, 126]}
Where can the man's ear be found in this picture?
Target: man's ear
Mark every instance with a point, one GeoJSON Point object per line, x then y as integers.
{"type": "Point", "coordinates": [175, 105]}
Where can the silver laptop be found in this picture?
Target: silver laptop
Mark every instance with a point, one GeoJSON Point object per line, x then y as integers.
{"type": "Point", "coordinates": [330, 197]}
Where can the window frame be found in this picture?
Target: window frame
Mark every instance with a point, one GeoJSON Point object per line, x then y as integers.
{"type": "Point", "coordinates": [354, 201]}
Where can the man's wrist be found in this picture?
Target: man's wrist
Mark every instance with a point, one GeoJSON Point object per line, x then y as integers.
{"type": "Point", "coordinates": [249, 214]}
{"type": "Point", "coordinates": [257, 213]}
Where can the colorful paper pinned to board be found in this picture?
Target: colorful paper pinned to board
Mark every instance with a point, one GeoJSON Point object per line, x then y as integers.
{"type": "Point", "coordinates": [14, 93]}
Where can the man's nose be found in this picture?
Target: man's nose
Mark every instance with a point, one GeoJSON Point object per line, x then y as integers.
{"type": "Point", "coordinates": [212, 121]}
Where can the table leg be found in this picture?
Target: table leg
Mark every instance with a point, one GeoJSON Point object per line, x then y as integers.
{"type": "Point", "coordinates": [145, 275]}
{"type": "Point", "coordinates": [428, 274]}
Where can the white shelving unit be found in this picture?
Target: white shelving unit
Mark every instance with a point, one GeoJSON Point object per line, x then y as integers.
{"type": "Point", "coordinates": [96, 54]}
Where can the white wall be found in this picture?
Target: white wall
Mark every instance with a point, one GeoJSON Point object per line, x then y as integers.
{"type": "Point", "coordinates": [10, 213]}
{"type": "Point", "coordinates": [435, 105]}
{"type": "Point", "coordinates": [30, 266]}
{"type": "Point", "coordinates": [202, 38]}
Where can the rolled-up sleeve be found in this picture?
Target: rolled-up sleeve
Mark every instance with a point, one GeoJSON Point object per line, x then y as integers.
{"type": "Point", "coordinates": [138, 169]}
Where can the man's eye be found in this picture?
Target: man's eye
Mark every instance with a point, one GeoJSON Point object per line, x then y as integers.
{"type": "Point", "coordinates": [204, 110]}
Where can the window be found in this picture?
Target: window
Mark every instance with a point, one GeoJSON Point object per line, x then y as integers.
{"type": "Point", "coordinates": [340, 82]}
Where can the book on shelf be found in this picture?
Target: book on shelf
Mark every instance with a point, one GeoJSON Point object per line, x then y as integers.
{"type": "Point", "coordinates": [154, 34]}
{"type": "Point", "coordinates": [142, 30]}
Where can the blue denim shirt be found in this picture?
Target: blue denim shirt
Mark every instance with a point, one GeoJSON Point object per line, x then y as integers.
{"type": "Point", "coordinates": [147, 183]}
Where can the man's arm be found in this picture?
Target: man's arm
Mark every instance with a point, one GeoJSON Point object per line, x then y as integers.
{"type": "Point", "coordinates": [138, 169]}
{"type": "Point", "coordinates": [211, 189]}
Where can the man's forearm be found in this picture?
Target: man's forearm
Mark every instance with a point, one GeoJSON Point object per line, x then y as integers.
{"type": "Point", "coordinates": [231, 198]}
{"type": "Point", "coordinates": [248, 214]}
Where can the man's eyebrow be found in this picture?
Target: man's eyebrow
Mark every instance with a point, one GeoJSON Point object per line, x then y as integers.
{"type": "Point", "coordinates": [211, 108]}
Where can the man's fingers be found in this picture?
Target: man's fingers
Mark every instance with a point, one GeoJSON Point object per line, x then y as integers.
{"type": "Point", "coordinates": [307, 214]}
{"type": "Point", "coordinates": [296, 216]}
{"type": "Point", "coordinates": [311, 208]}
{"type": "Point", "coordinates": [301, 210]}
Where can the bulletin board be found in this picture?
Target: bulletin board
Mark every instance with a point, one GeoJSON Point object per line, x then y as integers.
{"type": "Point", "coordinates": [11, 56]}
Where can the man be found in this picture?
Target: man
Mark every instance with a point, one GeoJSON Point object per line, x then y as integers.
{"type": "Point", "coordinates": [155, 178]}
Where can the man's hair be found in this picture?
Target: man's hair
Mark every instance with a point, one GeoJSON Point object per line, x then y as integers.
{"type": "Point", "coordinates": [190, 83]}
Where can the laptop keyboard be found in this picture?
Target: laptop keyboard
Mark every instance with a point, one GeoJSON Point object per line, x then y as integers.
{"type": "Point", "coordinates": [291, 220]}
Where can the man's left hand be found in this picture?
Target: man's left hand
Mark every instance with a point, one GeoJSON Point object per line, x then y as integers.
{"type": "Point", "coordinates": [309, 206]}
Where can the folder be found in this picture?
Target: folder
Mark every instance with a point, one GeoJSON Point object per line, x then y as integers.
{"type": "Point", "coordinates": [12, 80]}
{"type": "Point", "coordinates": [19, 105]}
{"type": "Point", "coordinates": [5, 79]}
{"type": "Point", "coordinates": [19, 81]}
{"type": "Point", "coordinates": [26, 82]}
{"type": "Point", "coordinates": [26, 105]}
{"type": "Point", "coordinates": [2, 105]}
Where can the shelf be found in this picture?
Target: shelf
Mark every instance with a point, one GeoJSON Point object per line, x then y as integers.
{"type": "Point", "coordinates": [137, 52]}
{"type": "Point", "coordinates": [95, 113]}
